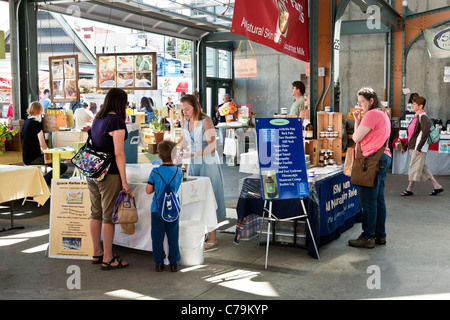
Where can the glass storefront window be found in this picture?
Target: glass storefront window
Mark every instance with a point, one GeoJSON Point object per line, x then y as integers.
{"type": "Point", "coordinates": [218, 63]}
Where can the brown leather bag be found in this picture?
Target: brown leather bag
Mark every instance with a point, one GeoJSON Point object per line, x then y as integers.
{"type": "Point", "coordinates": [365, 169]}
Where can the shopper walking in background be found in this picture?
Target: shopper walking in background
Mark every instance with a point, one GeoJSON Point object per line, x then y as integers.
{"type": "Point", "coordinates": [108, 134]}
{"type": "Point", "coordinates": [371, 132]}
{"type": "Point", "coordinates": [418, 132]}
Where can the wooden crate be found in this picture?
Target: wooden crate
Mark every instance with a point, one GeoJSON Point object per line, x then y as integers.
{"type": "Point", "coordinates": [334, 145]}
{"type": "Point", "coordinates": [67, 138]}
{"type": "Point", "coordinates": [15, 144]}
{"type": "Point", "coordinates": [324, 119]}
{"type": "Point", "coordinates": [312, 147]}
{"type": "Point", "coordinates": [52, 123]}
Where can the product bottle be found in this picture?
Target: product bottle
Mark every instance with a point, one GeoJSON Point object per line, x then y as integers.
{"type": "Point", "coordinates": [321, 157]}
{"type": "Point", "coordinates": [183, 169]}
{"type": "Point", "coordinates": [325, 158]}
{"type": "Point", "coordinates": [330, 159]}
{"type": "Point", "coordinates": [271, 187]}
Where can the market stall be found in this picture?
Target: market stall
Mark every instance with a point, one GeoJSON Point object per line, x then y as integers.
{"type": "Point", "coordinates": [438, 158]}
{"type": "Point", "coordinates": [237, 132]}
{"type": "Point", "coordinates": [197, 204]}
{"type": "Point", "coordinates": [332, 208]}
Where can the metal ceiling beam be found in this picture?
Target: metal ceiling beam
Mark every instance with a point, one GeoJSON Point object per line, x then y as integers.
{"type": "Point", "coordinates": [360, 27]}
{"type": "Point", "coordinates": [389, 16]}
{"type": "Point", "coordinates": [74, 36]}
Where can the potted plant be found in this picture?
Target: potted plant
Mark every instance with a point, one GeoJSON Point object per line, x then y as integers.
{"type": "Point", "coordinates": [158, 126]}
{"type": "Point", "coordinates": [6, 133]}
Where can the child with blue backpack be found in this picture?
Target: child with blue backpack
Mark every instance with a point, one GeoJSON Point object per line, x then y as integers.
{"type": "Point", "coordinates": [165, 181]}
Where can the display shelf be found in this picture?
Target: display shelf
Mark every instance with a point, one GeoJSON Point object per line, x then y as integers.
{"type": "Point", "coordinates": [312, 147]}
{"type": "Point", "coordinates": [333, 119]}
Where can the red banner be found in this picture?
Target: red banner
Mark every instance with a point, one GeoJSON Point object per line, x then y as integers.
{"type": "Point", "coordinates": [280, 24]}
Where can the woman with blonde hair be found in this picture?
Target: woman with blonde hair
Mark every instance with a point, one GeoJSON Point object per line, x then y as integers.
{"type": "Point", "coordinates": [33, 141]}
{"type": "Point", "coordinates": [372, 133]}
{"type": "Point", "coordinates": [199, 133]}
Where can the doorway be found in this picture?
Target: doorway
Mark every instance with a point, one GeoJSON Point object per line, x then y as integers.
{"type": "Point", "coordinates": [215, 89]}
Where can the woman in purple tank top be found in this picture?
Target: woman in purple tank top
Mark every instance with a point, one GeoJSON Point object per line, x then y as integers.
{"type": "Point", "coordinates": [108, 134]}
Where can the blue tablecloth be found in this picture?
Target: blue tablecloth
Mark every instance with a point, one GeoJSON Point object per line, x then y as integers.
{"type": "Point", "coordinates": [332, 208]}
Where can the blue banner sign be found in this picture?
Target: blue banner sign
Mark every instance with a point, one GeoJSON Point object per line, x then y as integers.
{"type": "Point", "coordinates": [339, 201]}
{"type": "Point", "coordinates": [281, 158]}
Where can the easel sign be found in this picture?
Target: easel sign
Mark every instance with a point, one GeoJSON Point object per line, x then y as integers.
{"type": "Point", "coordinates": [282, 158]}
{"type": "Point", "coordinates": [70, 211]}
{"type": "Point", "coordinates": [282, 168]}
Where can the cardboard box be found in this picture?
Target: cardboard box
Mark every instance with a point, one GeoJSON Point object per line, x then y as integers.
{"type": "Point", "coordinates": [152, 148]}
{"type": "Point", "coordinates": [14, 144]}
{"type": "Point", "coordinates": [52, 123]}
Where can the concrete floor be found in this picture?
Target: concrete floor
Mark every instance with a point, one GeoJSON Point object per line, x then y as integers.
{"type": "Point", "coordinates": [415, 262]}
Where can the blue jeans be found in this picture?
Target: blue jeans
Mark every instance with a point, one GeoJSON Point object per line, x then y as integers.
{"type": "Point", "coordinates": [159, 229]}
{"type": "Point", "coordinates": [373, 205]}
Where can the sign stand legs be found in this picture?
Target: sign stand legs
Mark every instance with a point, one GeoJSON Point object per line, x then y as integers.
{"type": "Point", "coordinates": [271, 218]}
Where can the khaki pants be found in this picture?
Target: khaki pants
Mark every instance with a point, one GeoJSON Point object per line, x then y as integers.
{"type": "Point", "coordinates": [418, 170]}
{"type": "Point", "coordinates": [103, 196]}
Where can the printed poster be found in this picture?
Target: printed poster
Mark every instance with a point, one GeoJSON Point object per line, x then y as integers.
{"type": "Point", "coordinates": [127, 71]}
{"type": "Point", "coordinates": [280, 24]}
{"type": "Point", "coordinates": [70, 211]}
{"type": "Point", "coordinates": [281, 158]}
{"type": "Point", "coordinates": [64, 78]}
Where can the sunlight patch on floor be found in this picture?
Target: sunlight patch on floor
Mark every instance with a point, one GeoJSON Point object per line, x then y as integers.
{"type": "Point", "coordinates": [127, 294]}
{"type": "Point", "coordinates": [243, 280]}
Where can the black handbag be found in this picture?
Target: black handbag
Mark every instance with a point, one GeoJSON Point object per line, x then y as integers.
{"type": "Point", "coordinates": [365, 169]}
{"type": "Point", "coordinates": [91, 163]}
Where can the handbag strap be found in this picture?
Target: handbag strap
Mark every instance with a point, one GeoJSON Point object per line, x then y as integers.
{"type": "Point", "coordinates": [377, 156]}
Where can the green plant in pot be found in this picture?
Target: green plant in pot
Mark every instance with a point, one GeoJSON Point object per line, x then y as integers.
{"type": "Point", "coordinates": [6, 133]}
{"type": "Point", "coordinates": [158, 126]}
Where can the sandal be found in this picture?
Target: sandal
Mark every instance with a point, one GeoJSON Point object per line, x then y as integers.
{"type": "Point", "coordinates": [436, 191]}
{"type": "Point", "coordinates": [98, 261]}
{"type": "Point", "coordinates": [406, 193]}
{"type": "Point", "coordinates": [209, 245]}
{"type": "Point", "coordinates": [111, 267]}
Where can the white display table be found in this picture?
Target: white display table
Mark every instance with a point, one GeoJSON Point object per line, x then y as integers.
{"type": "Point", "coordinates": [197, 203]}
{"type": "Point", "coordinates": [438, 163]}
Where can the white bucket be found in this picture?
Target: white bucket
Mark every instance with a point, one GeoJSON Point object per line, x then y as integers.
{"type": "Point", "coordinates": [192, 257]}
{"type": "Point", "coordinates": [191, 239]}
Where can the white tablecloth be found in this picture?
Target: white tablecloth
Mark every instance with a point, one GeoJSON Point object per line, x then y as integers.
{"type": "Point", "coordinates": [197, 203]}
{"type": "Point", "coordinates": [22, 181]}
{"type": "Point", "coordinates": [438, 163]}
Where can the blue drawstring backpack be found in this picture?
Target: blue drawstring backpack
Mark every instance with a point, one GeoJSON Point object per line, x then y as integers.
{"type": "Point", "coordinates": [170, 206]}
